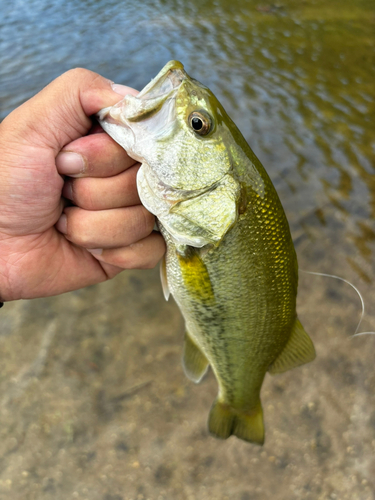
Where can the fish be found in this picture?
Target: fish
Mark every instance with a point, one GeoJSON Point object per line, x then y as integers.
{"type": "Point", "coordinates": [230, 262]}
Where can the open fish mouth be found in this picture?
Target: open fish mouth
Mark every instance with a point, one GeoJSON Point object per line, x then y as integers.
{"type": "Point", "coordinates": [149, 101]}
{"type": "Point", "coordinates": [151, 114]}
{"type": "Point", "coordinates": [166, 81]}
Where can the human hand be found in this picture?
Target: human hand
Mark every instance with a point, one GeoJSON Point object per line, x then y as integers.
{"type": "Point", "coordinates": [44, 244]}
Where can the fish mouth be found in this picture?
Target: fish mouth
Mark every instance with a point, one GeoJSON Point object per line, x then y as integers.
{"type": "Point", "coordinates": [169, 78]}
{"type": "Point", "coordinates": [150, 100]}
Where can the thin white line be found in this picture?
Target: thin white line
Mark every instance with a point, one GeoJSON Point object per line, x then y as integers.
{"type": "Point", "coordinates": [359, 295]}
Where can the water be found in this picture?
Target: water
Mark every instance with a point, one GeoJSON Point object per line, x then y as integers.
{"type": "Point", "coordinates": [94, 403]}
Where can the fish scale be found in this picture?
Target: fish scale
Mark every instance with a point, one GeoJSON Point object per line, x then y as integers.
{"type": "Point", "coordinates": [230, 262]}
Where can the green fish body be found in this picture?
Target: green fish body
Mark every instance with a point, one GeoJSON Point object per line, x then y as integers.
{"type": "Point", "coordinates": [230, 262]}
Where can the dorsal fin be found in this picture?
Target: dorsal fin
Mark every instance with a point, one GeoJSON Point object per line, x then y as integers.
{"type": "Point", "coordinates": [298, 351]}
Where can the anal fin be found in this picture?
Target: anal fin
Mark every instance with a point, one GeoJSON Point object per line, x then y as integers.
{"type": "Point", "coordinates": [298, 351]}
{"type": "Point", "coordinates": [194, 361]}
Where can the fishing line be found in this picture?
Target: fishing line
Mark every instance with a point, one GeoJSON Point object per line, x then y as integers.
{"type": "Point", "coordinates": [359, 295]}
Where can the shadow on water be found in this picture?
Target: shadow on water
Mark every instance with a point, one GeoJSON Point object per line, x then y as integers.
{"type": "Point", "coordinates": [94, 403]}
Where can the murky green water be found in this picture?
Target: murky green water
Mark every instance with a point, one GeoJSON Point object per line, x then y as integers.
{"type": "Point", "coordinates": [94, 403]}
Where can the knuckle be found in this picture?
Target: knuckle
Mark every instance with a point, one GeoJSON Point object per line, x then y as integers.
{"type": "Point", "coordinates": [134, 256]}
{"type": "Point", "coordinates": [76, 74]}
{"type": "Point", "coordinates": [123, 260]}
{"type": "Point", "coordinates": [82, 194]}
{"type": "Point", "coordinates": [111, 272]}
{"type": "Point", "coordinates": [138, 262]}
{"type": "Point", "coordinates": [84, 239]}
{"type": "Point", "coordinates": [147, 221]}
{"type": "Point", "coordinates": [150, 264]}
{"type": "Point", "coordinates": [78, 229]}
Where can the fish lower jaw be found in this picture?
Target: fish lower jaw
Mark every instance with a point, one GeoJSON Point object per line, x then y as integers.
{"type": "Point", "coordinates": [118, 130]}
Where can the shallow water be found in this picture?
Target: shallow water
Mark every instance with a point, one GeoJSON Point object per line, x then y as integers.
{"type": "Point", "coordinates": [94, 402]}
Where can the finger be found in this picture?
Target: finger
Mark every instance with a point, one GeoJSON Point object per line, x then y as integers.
{"type": "Point", "coordinates": [143, 254]}
{"type": "Point", "coordinates": [102, 194]}
{"type": "Point", "coordinates": [63, 108]}
{"type": "Point", "coordinates": [118, 227]}
{"type": "Point", "coordinates": [96, 155]}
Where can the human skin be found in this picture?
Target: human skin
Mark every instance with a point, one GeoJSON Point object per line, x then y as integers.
{"type": "Point", "coordinates": [49, 245]}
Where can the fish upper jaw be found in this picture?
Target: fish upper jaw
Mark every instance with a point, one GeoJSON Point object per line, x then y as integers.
{"type": "Point", "coordinates": [169, 77]}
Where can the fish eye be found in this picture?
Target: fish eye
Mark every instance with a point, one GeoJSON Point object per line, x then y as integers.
{"type": "Point", "coordinates": [200, 122]}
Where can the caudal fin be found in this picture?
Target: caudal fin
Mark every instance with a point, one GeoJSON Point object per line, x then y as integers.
{"type": "Point", "coordinates": [224, 421]}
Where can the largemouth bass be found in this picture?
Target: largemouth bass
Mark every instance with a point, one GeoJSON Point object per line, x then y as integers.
{"type": "Point", "coordinates": [230, 262]}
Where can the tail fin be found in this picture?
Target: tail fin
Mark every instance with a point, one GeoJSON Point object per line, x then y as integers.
{"type": "Point", "coordinates": [224, 421]}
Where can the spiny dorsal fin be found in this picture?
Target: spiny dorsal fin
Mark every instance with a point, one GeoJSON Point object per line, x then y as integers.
{"type": "Point", "coordinates": [298, 351]}
{"type": "Point", "coordinates": [195, 363]}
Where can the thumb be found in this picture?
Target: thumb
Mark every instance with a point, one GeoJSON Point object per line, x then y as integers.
{"type": "Point", "coordinates": [60, 112]}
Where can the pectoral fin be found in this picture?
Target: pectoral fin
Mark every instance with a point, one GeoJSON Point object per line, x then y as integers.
{"type": "Point", "coordinates": [195, 363]}
{"type": "Point", "coordinates": [298, 351]}
{"type": "Point", "coordinates": [164, 279]}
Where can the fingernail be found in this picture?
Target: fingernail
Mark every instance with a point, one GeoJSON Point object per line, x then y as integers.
{"type": "Point", "coordinates": [120, 89]}
{"type": "Point", "coordinates": [123, 89]}
{"type": "Point", "coordinates": [69, 163]}
{"type": "Point", "coordinates": [95, 251]}
{"type": "Point", "coordinates": [67, 191]}
{"type": "Point", "coordinates": [62, 224]}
